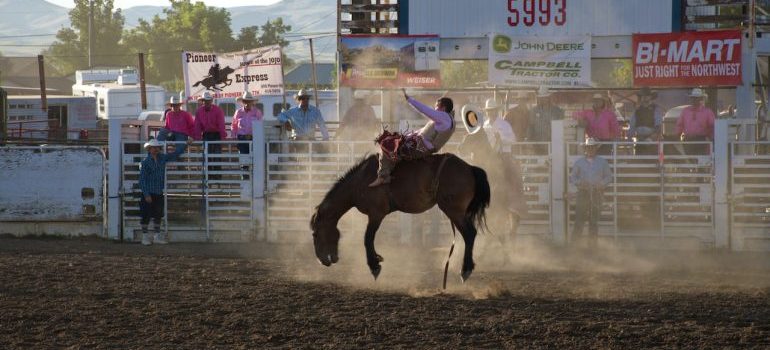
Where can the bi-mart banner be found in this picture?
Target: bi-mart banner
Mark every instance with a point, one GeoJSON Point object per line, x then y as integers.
{"type": "Point", "coordinates": [687, 59]}
{"type": "Point", "coordinates": [372, 61]}
{"type": "Point", "coordinates": [230, 74]}
{"type": "Point", "coordinates": [540, 61]}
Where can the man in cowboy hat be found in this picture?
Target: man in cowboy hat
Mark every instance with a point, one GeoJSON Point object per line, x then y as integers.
{"type": "Point", "coordinates": [152, 173]}
{"type": "Point", "coordinates": [591, 174]}
{"type": "Point", "coordinates": [359, 123]}
{"type": "Point", "coordinates": [600, 122]}
{"type": "Point", "coordinates": [500, 136]}
{"type": "Point", "coordinates": [303, 119]}
{"type": "Point", "coordinates": [696, 123]}
{"type": "Point", "coordinates": [429, 139]}
{"type": "Point", "coordinates": [645, 122]}
{"type": "Point", "coordinates": [541, 116]}
{"type": "Point", "coordinates": [243, 120]}
{"type": "Point", "coordinates": [179, 124]}
{"type": "Point", "coordinates": [209, 120]}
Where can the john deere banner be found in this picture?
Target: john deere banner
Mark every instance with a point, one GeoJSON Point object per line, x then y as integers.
{"type": "Point", "coordinates": [230, 74]}
{"type": "Point", "coordinates": [540, 61]}
{"type": "Point", "coordinates": [688, 59]}
{"type": "Point", "coordinates": [370, 61]}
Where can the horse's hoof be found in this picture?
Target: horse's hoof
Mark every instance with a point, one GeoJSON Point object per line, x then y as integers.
{"type": "Point", "coordinates": [380, 258]}
{"type": "Point", "coordinates": [325, 262]}
{"type": "Point", "coordinates": [465, 275]}
{"type": "Point", "coordinates": [376, 271]}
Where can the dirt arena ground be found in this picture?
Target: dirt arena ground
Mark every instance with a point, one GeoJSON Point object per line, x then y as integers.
{"type": "Point", "coordinates": [91, 293]}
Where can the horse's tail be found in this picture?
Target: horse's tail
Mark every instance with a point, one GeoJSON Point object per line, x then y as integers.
{"type": "Point", "coordinates": [196, 84]}
{"type": "Point", "coordinates": [481, 198]}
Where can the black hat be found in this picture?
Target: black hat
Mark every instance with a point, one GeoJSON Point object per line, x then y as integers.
{"type": "Point", "coordinates": [645, 91]}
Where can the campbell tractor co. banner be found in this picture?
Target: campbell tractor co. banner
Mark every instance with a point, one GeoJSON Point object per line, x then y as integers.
{"type": "Point", "coordinates": [371, 61]}
{"type": "Point", "coordinates": [688, 59]}
{"type": "Point", "coordinates": [228, 75]}
{"type": "Point", "coordinates": [540, 61]}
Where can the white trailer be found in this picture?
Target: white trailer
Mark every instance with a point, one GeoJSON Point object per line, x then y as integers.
{"type": "Point", "coordinates": [65, 117]}
{"type": "Point", "coordinates": [117, 92]}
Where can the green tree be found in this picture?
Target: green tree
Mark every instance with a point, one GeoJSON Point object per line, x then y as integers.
{"type": "Point", "coordinates": [273, 34]}
{"type": "Point", "coordinates": [462, 74]}
{"type": "Point", "coordinates": [184, 27]}
{"type": "Point", "coordinates": [70, 50]}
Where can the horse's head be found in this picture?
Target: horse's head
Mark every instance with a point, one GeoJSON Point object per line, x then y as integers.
{"type": "Point", "coordinates": [226, 70]}
{"type": "Point", "coordinates": [326, 238]}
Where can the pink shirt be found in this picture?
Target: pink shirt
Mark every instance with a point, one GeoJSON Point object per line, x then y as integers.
{"type": "Point", "coordinates": [242, 121]}
{"type": "Point", "coordinates": [696, 121]}
{"type": "Point", "coordinates": [181, 122]}
{"type": "Point", "coordinates": [212, 120]}
{"type": "Point", "coordinates": [605, 127]}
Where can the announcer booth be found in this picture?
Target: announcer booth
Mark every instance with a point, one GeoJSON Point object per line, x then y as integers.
{"type": "Point", "coordinates": [612, 47]}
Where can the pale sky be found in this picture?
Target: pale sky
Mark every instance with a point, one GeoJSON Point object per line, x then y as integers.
{"type": "Point", "coordinates": [130, 3]}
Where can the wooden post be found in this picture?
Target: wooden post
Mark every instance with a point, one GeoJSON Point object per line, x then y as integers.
{"type": "Point", "coordinates": [312, 66]}
{"type": "Point", "coordinates": [41, 73]}
{"type": "Point", "coordinates": [142, 87]}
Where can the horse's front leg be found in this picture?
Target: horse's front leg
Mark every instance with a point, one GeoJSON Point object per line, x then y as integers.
{"type": "Point", "coordinates": [372, 258]}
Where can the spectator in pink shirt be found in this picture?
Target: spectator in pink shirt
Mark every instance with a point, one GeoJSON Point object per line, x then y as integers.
{"type": "Point", "coordinates": [696, 123]}
{"type": "Point", "coordinates": [600, 123]}
{"type": "Point", "coordinates": [209, 122]}
{"type": "Point", "coordinates": [243, 119]}
{"type": "Point", "coordinates": [179, 124]}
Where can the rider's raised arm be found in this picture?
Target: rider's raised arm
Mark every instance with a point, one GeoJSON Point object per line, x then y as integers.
{"type": "Point", "coordinates": [442, 119]}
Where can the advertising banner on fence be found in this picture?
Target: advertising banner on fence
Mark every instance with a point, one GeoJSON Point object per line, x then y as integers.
{"type": "Point", "coordinates": [230, 74]}
{"type": "Point", "coordinates": [687, 59]}
{"type": "Point", "coordinates": [371, 61]}
{"type": "Point", "coordinates": [540, 61]}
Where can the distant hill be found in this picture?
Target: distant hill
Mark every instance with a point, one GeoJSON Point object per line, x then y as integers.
{"type": "Point", "coordinates": [41, 17]}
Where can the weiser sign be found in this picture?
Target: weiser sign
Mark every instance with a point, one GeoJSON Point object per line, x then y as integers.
{"type": "Point", "coordinates": [228, 75]}
{"type": "Point", "coordinates": [540, 61]}
{"type": "Point", "coordinates": [687, 59]}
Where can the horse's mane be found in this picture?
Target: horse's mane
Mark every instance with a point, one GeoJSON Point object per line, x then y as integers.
{"type": "Point", "coordinates": [340, 182]}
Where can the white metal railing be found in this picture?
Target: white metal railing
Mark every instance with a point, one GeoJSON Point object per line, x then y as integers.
{"type": "Point", "coordinates": [750, 195]}
{"type": "Point", "coordinates": [666, 196]}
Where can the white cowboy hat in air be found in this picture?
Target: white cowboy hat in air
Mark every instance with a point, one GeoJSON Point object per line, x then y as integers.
{"type": "Point", "coordinates": [590, 142]}
{"type": "Point", "coordinates": [491, 104]}
{"type": "Point", "coordinates": [543, 92]}
{"type": "Point", "coordinates": [174, 101]}
{"type": "Point", "coordinates": [152, 143]}
{"type": "Point", "coordinates": [696, 92]}
{"type": "Point", "coordinates": [206, 96]}
{"type": "Point", "coordinates": [301, 93]}
{"type": "Point", "coordinates": [247, 96]}
{"type": "Point", "coordinates": [473, 118]}
{"type": "Point", "coordinates": [597, 97]}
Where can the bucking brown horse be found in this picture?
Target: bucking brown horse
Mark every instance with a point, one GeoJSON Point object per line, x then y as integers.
{"type": "Point", "coordinates": [460, 190]}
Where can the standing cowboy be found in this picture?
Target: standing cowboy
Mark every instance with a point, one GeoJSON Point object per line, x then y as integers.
{"type": "Point", "coordinates": [209, 122]}
{"type": "Point", "coordinates": [500, 136]}
{"type": "Point", "coordinates": [645, 122]}
{"type": "Point", "coordinates": [600, 122]}
{"type": "Point", "coordinates": [428, 140]}
{"type": "Point", "coordinates": [303, 119]}
{"type": "Point", "coordinates": [179, 124]}
{"type": "Point", "coordinates": [152, 174]}
{"type": "Point", "coordinates": [243, 119]}
{"type": "Point", "coordinates": [591, 175]}
{"type": "Point", "coordinates": [541, 116]}
{"type": "Point", "coordinates": [696, 123]}
{"type": "Point", "coordinates": [359, 123]}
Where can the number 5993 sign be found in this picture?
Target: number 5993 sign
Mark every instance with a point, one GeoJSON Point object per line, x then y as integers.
{"type": "Point", "coordinates": [537, 12]}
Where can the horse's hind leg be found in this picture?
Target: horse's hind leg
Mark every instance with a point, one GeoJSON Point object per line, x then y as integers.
{"type": "Point", "coordinates": [372, 258]}
{"type": "Point", "coordinates": [468, 231]}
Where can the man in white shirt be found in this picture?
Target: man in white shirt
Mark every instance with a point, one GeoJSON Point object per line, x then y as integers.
{"type": "Point", "coordinates": [500, 135]}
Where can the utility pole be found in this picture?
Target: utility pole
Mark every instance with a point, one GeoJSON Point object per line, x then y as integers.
{"type": "Point", "coordinates": [142, 87]}
{"type": "Point", "coordinates": [41, 73]}
{"type": "Point", "coordinates": [90, 34]}
{"type": "Point", "coordinates": [312, 65]}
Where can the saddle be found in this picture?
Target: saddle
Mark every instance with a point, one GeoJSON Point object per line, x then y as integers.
{"type": "Point", "coordinates": [397, 146]}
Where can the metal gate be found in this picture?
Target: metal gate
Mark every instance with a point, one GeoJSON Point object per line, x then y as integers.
{"type": "Point", "coordinates": [652, 198]}
{"type": "Point", "coordinates": [209, 192]}
{"type": "Point", "coordinates": [750, 201]}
